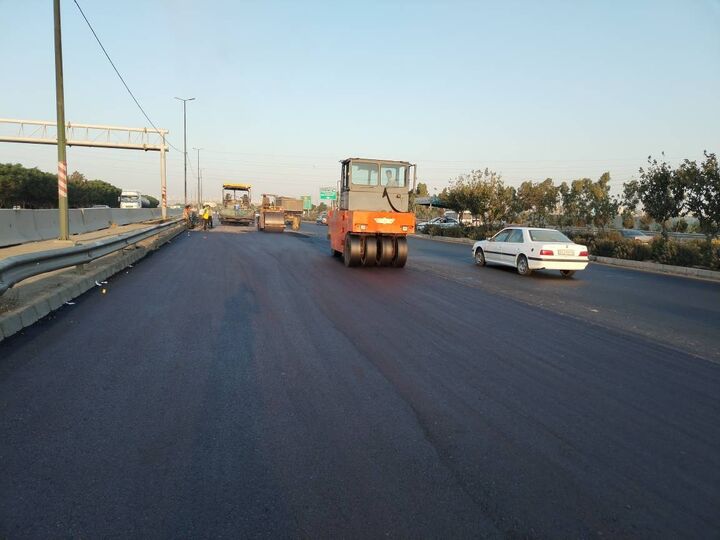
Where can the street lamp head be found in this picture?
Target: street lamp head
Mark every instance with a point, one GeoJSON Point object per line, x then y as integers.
{"type": "Point", "coordinates": [184, 99]}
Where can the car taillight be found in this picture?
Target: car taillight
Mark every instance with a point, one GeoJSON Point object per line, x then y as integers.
{"type": "Point", "coordinates": [583, 254]}
{"type": "Point", "coordinates": [546, 252]}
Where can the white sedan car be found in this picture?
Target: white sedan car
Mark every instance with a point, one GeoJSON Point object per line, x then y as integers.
{"type": "Point", "coordinates": [531, 248]}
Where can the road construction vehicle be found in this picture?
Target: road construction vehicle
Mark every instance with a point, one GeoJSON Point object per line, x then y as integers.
{"type": "Point", "coordinates": [237, 207]}
{"type": "Point", "coordinates": [293, 209]}
{"type": "Point", "coordinates": [371, 222]}
{"type": "Point", "coordinates": [271, 216]}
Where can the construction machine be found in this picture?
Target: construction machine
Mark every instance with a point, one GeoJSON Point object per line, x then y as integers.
{"type": "Point", "coordinates": [371, 222]}
{"type": "Point", "coordinates": [293, 209]}
{"type": "Point", "coordinates": [271, 215]}
{"type": "Point", "coordinates": [237, 207]}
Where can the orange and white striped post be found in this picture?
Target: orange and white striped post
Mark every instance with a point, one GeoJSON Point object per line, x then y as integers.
{"type": "Point", "coordinates": [60, 101]}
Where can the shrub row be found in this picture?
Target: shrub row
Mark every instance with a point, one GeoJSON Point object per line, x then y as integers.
{"type": "Point", "coordinates": [692, 253]}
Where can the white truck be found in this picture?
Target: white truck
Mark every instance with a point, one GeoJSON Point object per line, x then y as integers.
{"type": "Point", "coordinates": [130, 198]}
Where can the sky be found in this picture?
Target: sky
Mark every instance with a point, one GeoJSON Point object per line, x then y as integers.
{"type": "Point", "coordinates": [285, 90]}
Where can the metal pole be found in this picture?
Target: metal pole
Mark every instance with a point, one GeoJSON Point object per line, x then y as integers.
{"type": "Point", "coordinates": [163, 180]}
{"type": "Point", "coordinates": [185, 146]}
{"type": "Point", "coordinates": [185, 157]}
{"type": "Point", "coordinates": [60, 105]}
{"type": "Point", "coordinates": [198, 167]}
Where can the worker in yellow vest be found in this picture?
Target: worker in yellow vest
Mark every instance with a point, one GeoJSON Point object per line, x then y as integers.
{"type": "Point", "coordinates": [207, 216]}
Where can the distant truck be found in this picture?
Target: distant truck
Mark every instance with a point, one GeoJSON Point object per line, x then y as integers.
{"type": "Point", "coordinates": [293, 209]}
{"type": "Point", "coordinates": [133, 199]}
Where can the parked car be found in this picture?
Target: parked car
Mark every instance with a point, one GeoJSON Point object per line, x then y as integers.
{"type": "Point", "coordinates": [531, 248]}
{"type": "Point", "coordinates": [638, 236]}
{"type": "Point", "coordinates": [322, 218]}
{"type": "Point", "coordinates": [439, 221]}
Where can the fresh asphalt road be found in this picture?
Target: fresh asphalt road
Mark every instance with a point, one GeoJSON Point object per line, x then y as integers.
{"type": "Point", "coordinates": [239, 384]}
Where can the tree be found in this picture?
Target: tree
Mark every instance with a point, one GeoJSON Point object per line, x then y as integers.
{"type": "Point", "coordinates": [702, 185]}
{"type": "Point", "coordinates": [628, 219]}
{"type": "Point", "coordinates": [576, 202]}
{"type": "Point", "coordinates": [538, 199]}
{"type": "Point", "coordinates": [453, 197]}
{"type": "Point", "coordinates": [77, 177]}
{"type": "Point", "coordinates": [660, 190]}
{"type": "Point", "coordinates": [602, 207]}
{"type": "Point", "coordinates": [421, 190]}
{"type": "Point", "coordinates": [483, 194]}
{"type": "Point", "coordinates": [28, 188]}
{"type": "Point", "coordinates": [154, 203]}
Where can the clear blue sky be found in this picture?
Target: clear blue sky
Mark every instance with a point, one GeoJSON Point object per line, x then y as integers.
{"type": "Point", "coordinates": [286, 89]}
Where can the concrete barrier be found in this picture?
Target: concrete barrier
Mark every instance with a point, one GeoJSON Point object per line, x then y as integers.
{"type": "Point", "coordinates": [47, 223]}
{"type": "Point", "coordinates": [21, 226]}
{"type": "Point", "coordinates": [17, 227]}
{"type": "Point", "coordinates": [77, 222]}
{"type": "Point", "coordinates": [96, 219]}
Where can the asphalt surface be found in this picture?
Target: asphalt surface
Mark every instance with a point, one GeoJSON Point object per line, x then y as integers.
{"type": "Point", "coordinates": [239, 384]}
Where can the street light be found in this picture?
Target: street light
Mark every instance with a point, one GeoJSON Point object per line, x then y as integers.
{"type": "Point", "coordinates": [198, 173]}
{"type": "Point", "coordinates": [185, 100]}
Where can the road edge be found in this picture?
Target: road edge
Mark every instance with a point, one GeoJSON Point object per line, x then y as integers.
{"type": "Point", "coordinates": [657, 268]}
{"type": "Point", "coordinates": [16, 320]}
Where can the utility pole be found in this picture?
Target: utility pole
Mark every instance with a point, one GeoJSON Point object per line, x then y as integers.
{"type": "Point", "coordinates": [60, 106]}
{"type": "Point", "coordinates": [163, 179]}
{"type": "Point", "coordinates": [185, 156]}
{"type": "Point", "coordinates": [199, 191]}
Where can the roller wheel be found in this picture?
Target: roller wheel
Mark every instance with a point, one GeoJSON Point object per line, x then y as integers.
{"type": "Point", "coordinates": [352, 251]}
{"type": "Point", "coordinates": [369, 256]}
{"type": "Point", "coordinates": [387, 250]}
{"type": "Point", "coordinates": [401, 252]}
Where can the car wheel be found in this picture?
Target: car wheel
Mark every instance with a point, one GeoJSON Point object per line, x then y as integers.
{"type": "Point", "coordinates": [567, 273]}
{"type": "Point", "coordinates": [523, 267]}
{"type": "Point", "coordinates": [479, 257]}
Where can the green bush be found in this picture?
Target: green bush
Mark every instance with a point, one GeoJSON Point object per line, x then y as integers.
{"type": "Point", "coordinates": [624, 250]}
{"type": "Point", "coordinates": [604, 247]}
{"type": "Point", "coordinates": [663, 251]}
{"type": "Point", "coordinates": [687, 254]}
{"type": "Point", "coordinates": [643, 252]}
{"type": "Point", "coordinates": [452, 232]}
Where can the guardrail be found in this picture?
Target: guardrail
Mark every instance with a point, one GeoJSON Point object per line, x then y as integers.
{"type": "Point", "coordinates": [21, 226]}
{"type": "Point", "coordinates": [19, 267]}
{"type": "Point", "coordinates": [655, 234]}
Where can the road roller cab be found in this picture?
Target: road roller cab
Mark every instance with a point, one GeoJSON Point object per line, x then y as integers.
{"type": "Point", "coordinates": [370, 225]}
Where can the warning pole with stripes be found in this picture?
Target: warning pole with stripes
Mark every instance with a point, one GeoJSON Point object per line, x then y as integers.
{"type": "Point", "coordinates": [62, 158]}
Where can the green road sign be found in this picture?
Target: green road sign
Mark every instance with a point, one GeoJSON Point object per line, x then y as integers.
{"type": "Point", "coordinates": [328, 194]}
{"type": "Point", "coordinates": [307, 202]}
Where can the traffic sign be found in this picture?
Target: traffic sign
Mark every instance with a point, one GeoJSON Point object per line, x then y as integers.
{"type": "Point", "coordinates": [328, 194]}
{"type": "Point", "coordinates": [307, 202]}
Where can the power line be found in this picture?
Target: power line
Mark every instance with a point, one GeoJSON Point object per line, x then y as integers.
{"type": "Point", "coordinates": [120, 76]}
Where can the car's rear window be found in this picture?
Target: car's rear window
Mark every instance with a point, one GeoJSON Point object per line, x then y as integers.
{"type": "Point", "coordinates": [547, 235]}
